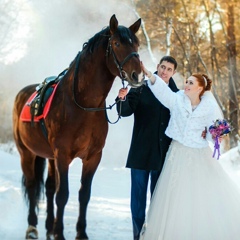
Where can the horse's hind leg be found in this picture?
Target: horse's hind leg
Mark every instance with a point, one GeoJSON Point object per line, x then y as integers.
{"type": "Point", "coordinates": [50, 191]}
{"type": "Point", "coordinates": [32, 185]}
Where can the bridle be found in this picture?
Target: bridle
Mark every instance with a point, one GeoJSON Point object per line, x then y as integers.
{"type": "Point", "coordinates": [119, 65]}
{"type": "Point", "coordinates": [122, 73]}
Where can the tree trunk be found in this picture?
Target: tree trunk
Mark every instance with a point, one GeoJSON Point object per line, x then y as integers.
{"type": "Point", "coordinates": [233, 76]}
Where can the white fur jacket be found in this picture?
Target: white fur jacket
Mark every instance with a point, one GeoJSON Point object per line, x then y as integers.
{"type": "Point", "coordinates": [185, 125]}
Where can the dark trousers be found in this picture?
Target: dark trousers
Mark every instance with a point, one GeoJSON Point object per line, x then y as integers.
{"type": "Point", "coordinates": [139, 186]}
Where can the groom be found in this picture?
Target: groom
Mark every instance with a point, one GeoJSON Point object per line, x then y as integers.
{"type": "Point", "coordinates": [149, 142]}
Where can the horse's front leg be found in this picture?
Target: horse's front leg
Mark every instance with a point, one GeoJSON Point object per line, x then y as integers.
{"type": "Point", "coordinates": [88, 170]}
{"type": "Point", "coordinates": [62, 194]}
{"type": "Point", "coordinates": [50, 192]}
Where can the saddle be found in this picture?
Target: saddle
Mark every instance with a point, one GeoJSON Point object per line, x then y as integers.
{"type": "Point", "coordinates": [43, 92]}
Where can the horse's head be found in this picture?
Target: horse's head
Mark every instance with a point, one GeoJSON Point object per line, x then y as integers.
{"type": "Point", "coordinates": [123, 52]}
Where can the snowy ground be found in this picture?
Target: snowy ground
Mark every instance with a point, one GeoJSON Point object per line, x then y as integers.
{"type": "Point", "coordinates": [108, 211]}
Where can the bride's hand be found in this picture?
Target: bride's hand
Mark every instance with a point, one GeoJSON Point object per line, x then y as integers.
{"type": "Point", "coordinates": [148, 73]}
{"type": "Point", "coordinates": [145, 71]}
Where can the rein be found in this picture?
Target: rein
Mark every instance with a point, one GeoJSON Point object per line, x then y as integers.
{"type": "Point", "coordinates": [123, 77]}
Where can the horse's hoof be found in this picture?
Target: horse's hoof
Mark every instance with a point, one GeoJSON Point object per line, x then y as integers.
{"type": "Point", "coordinates": [59, 237]}
{"type": "Point", "coordinates": [81, 236]}
{"type": "Point", "coordinates": [50, 236]}
{"type": "Point", "coordinates": [31, 233]}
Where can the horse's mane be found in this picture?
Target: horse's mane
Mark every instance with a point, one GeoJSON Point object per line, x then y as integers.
{"type": "Point", "coordinates": [94, 42]}
{"type": "Point", "coordinates": [102, 37]}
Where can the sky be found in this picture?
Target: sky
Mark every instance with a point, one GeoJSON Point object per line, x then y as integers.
{"type": "Point", "coordinates": [108, 215]}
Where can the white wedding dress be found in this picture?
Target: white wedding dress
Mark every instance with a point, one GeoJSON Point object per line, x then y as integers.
{"type": "Point", "coordinates": [194, 199]}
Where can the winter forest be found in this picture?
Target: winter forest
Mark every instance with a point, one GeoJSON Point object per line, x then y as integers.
{"type": "Point", "coordinates": [40, 38]}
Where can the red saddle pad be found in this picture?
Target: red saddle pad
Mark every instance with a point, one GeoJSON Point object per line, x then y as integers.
{"type": "Point", "coordinates": [26, 115]}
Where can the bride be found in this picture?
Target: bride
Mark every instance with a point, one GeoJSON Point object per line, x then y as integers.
{"type": "Point", "coordinates": [194, 198]}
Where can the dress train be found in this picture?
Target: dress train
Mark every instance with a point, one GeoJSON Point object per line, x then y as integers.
{"type": "Point", "coordinates": [194, 199]}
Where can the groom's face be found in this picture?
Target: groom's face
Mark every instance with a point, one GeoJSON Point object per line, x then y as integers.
{"type": "Point", "coordinates": [165, 70]}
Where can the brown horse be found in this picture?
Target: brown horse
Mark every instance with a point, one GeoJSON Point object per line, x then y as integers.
{"type": "Point", "coordinates": [74, 126]}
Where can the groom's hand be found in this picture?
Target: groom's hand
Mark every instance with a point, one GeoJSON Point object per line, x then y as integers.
{"type": "Point", "coordinates": [122, 93]}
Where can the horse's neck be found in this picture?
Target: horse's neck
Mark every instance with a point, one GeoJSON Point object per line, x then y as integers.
{"type": "Point", "coordinates": [90, 87]}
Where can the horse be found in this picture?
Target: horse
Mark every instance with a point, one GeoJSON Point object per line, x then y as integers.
{"type": "Point", "coordinates": [76, 126]}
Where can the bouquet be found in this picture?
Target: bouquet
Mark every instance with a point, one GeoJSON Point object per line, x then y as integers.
{"type": "Point", "coordinates": [218, 129]}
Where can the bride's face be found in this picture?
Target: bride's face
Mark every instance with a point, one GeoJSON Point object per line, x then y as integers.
{"type": "Point", "coordinates": [191, 87]}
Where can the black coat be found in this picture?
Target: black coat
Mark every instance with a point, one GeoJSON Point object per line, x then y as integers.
{"type": "Point", "coordinates": [149, 143]}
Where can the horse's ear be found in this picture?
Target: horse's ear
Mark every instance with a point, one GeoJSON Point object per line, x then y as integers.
{"type": "Point", "coordinates": [134, 27]}
{"type": "Point", "coordinates": [113, 24]}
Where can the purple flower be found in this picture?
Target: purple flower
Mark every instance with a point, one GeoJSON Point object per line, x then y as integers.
{"type": "Point", "coordinates": [218, 129]}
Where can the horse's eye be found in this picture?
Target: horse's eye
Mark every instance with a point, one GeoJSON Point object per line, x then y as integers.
{"type": "Point", "coordinates": [117, 44]}
{"type": "Point", "coordinates": [130, 40]}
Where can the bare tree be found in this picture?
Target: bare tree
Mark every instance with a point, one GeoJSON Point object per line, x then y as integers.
{"type": "Point", "coordinates": [233, 73]}
{"type": "Point", "coordinates": [202, 39]}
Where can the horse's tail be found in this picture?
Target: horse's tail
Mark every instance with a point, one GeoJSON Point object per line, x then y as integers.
{"type": "Point", "coordinates": [35, 189]}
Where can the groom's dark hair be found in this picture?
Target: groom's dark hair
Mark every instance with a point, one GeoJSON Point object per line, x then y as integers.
{"type": "Point", "coordinates": [169, 59]}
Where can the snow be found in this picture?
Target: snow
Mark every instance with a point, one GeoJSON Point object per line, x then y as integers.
{"type": "Point", "coordinates": [108, 214]}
